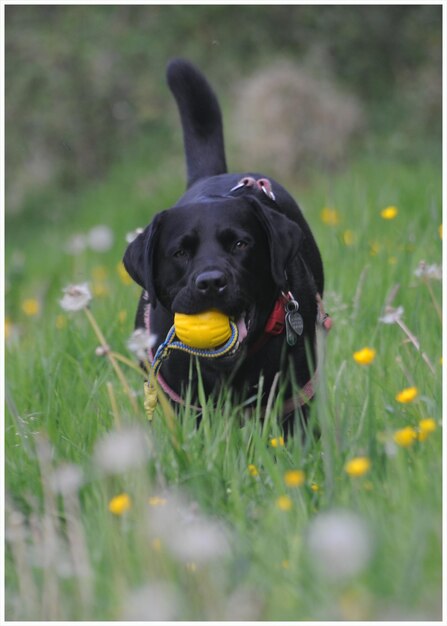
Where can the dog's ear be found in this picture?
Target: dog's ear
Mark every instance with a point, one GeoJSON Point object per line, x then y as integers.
{"type": "Point", "coordinates": [284, 238]}
{"type": "Point", "coordinates": [139, 257]}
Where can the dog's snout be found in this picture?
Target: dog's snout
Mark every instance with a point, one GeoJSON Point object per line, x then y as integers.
{"type": "Point", "coordinates": [213, 281]}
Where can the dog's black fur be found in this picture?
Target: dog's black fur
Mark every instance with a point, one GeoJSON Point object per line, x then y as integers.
{"type": "Point", "coordinates": [229, 250]}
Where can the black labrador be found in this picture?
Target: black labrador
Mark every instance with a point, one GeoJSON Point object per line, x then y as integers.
{"type": "Point", "coordinates": [237, 243]}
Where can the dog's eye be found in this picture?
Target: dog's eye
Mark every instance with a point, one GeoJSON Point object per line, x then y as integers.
{"type": "Point", "coordinates": [240, 245]}
{"type": "Point", "coordinates": [180, 253]}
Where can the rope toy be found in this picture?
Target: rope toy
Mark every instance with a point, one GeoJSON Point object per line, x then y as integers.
{"type": "Point", "coordinates": [163, 352]}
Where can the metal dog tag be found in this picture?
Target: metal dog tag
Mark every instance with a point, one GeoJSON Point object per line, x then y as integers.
{"type": "Point", "coordinates": [294, 322]}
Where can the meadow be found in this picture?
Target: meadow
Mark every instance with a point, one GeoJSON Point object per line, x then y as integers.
{"type": "Point", "coordinates": [109, 517]}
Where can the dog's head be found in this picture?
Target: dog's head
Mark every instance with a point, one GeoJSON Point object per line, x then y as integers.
{"type": "Point", "coordinates": [229, 254]}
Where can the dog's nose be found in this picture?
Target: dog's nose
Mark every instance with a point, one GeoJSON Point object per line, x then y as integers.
{"type": "Point", "coordinates": [212, 281]}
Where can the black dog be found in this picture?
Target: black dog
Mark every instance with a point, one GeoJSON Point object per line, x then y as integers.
{"type": "Point", "coordinates": [237, 243]}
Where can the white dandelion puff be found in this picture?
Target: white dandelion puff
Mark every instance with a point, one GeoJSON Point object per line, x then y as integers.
{"type": "Point", "coordinates": [76, 297]}
{"type": "Point", "coordinates": [133, 234]}
{"type": "Point", "coordinates": [339, 544]}
{"type": "Point", "coordinates": [392, 315]}
{"type": "Point", "coordinates": [428, 272]}
{"type": "Point", "coordinates": [140, 342]}
{"type": "Point", "coordinates": [66, 479]}
{"type": "Point", "coordinates": [100, 238]}
{"type": "Point", "coordinates": [153, 602]}
{"type": "Point", "coordinates": [76, 244]}
{"type": "Point", "coordinates": [121, 450]}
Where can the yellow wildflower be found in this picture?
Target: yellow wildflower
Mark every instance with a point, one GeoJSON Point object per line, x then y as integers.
{"type": "Point", "coordinates": [348, 238]}
{"type": "Point", "coordinates": [294, 478]}
{"type": "Point", "coordinates": [31, 307]}
{"type": "Point", "coordinates": [253, 470]}
{"type": "Point", "coordinates": [61, 321]}
{"type": "Point", "coordinates": [285, 564]}
{"type": "Point", "coordinates": [389, 213]}
{"type": "Point", "coordinates": [277, 442]}
{"type": "Point", "coordinates": [374, 248]}
{"type": "Point", "coordinates": [405, 437]}
{"type": "Point", "coordinates": [407, 395]}
{"type": "Point", "coordinates": [365, 356]}
{"type": "Point", "coordinates": [99, 289]}
{"type": "Point", "coordinates": [99, 272]}
{"type": "Point", "coordinates": [284, 503]}
{"type": "Point", "coordinates": [426, 426]}
{"type": "Point", "coordinates": [392, 260]}
{"type": "Point", "coordinates": [315, 487]}
{"type": "Point", "coordinates": [120, 504]}
{"type": "Point", "coordinates": [191, 566]}
{"type": "Point", "coordinates": [122, 316]}
{"type": "Point", "coordinates": [330, 216]}
{"type": "Point", "coordinates": [122, 273]}
{"type": "Point", "coordinates": [358, 466]}
{"type": "Point", "coordinates": [156, 501]}
{"type": "Point", "coordinates": [156, 544]}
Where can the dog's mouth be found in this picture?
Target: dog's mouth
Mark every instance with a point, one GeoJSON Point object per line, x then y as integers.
{"type": "Point", "coordinates": [244, 323]}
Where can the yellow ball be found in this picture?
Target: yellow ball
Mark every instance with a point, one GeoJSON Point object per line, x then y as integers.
{"type": "Point", "coordinates": [208, 329]}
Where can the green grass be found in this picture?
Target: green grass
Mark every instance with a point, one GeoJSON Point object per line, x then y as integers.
{"type": "Point", "coordinates": [69, 558]}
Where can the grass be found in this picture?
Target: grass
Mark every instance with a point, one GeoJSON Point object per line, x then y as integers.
{"type": "Point", "coordinates": [200, 533]}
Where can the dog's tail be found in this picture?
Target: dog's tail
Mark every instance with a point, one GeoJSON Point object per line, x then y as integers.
{"type": "Point", "coordinates": [201, 120]}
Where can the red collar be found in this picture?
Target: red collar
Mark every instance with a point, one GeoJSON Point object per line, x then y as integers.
{"type": "Point", "coordinates": [275, 324]}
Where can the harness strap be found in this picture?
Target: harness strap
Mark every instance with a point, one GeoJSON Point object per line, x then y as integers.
{"type": "Point", "coordinates": [275, 326]}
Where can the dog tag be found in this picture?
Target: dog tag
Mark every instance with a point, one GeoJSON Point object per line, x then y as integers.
{"type": "Point", "coordinates": [294, 322]}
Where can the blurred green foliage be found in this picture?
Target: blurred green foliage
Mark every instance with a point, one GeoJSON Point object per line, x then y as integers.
{"type": "Point", "coordinates": [85, 82]}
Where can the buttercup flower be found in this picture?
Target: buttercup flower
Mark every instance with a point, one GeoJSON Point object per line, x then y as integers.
{"type": "Point", "coordinates": [365, 356]}
{"type": "Point", "coordinates": [76, 297]}
{"type": "Point", "coordinates": [389, 213]}
{"type": "Point", "coordinates": [358, 466]}
{"type": "Point", "coordinates": [294, 478]}
{"type": "Point", "coordinates": [253, 470]}
{"type": "Point", "coordinates": [348, 237]}
{"type": "Point", "coordinates": [405, 437]}
{"type": "Point", "coordinates": [122, 273]}
{"type": "Point", "coordinates": [276, 442]}
{"type": "Point", "coordinates": [31, 307]}
{"type": "Point", "coordinates": [284, 503]}
{"type": "Point", "coordinates": [330, 216]}
{"type": "Point", "coordinates": [426, 427]}
{"type": "Point", "coordinates": [407, 395]}
{"type": "Point", "coordinates": [120, 504]}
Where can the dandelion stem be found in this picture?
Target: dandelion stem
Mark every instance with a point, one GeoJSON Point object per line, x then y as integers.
{"type": "Point", "coordinates": [111, 358]}
{"type": "Point", "coordinates": [126, 361]}
{"type": "Point", "coordinates": [416, 344]}
{"type": "Point", "coordinates": [432, 295]}
{"type": "Point", "coordinates": [114, 404]}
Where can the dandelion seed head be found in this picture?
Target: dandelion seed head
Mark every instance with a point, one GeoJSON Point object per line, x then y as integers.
{"type": "Point", "coordinates": [121, 450]}
{"type": "Point", "coordinates": [428, 272]}
{"type": "Point", "coordinates": [154, 602]}
{"type": "Point", "coordinates": [187, 534]}
{"type": "Point", "coordinates": [100, 238]}
{"type": "Point", "coordinates": [76, 244]}
{"type": "Point", "coordinates": [67, 479]}
{"type": "Point", "coordinates": [76, 297]}
{"type": "Point", "coordinates": [340, 544]}
{"type": "Point", "coordinates": [133, 234]}
{"type": "Point", "coordinates": [140, 342]}
{"type": "Point", "coordinates": [392, 315]}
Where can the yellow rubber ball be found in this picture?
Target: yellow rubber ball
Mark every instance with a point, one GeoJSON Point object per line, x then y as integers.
{"type": "Point", "coordinates": [208, 329]}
